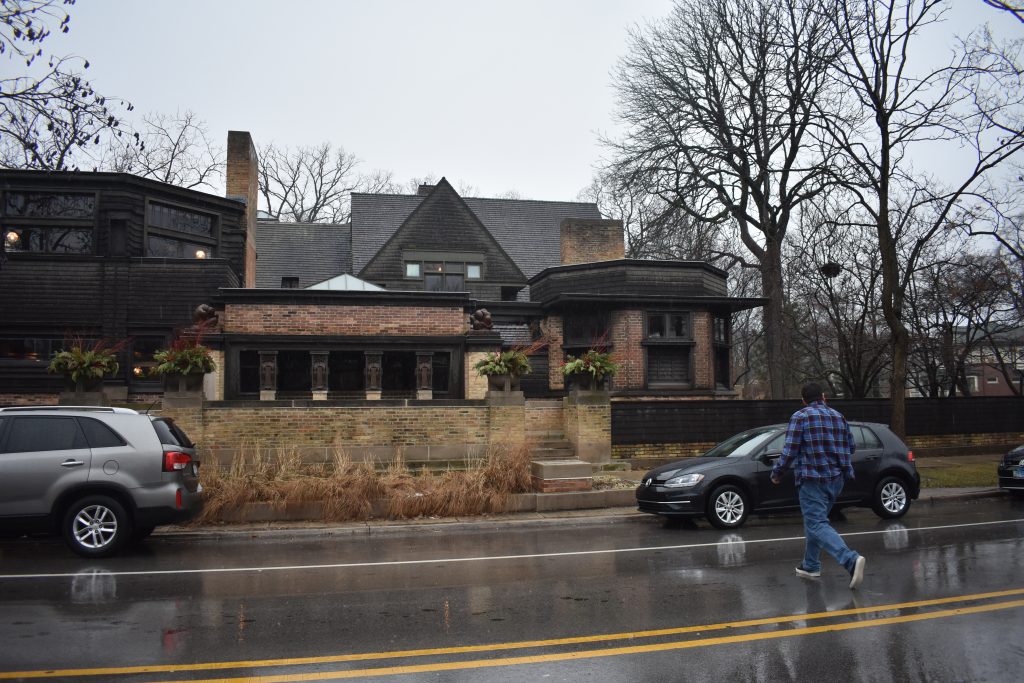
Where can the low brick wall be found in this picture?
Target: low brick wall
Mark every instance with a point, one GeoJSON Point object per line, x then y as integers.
{"type": "Point", "coordinates": [29, 399]}
{"type": "Point", "coordinates": [365, 431]}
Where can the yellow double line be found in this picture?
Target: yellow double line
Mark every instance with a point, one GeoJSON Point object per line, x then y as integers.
{"type": "Point", "coordinates": [558, 656]}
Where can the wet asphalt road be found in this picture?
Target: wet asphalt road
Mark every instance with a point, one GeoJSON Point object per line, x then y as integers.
{"type": "Point", "coordinates": [943, 600]}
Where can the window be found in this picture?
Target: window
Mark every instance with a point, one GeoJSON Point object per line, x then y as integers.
{"type": "Point", "coordinates": [669, 342]}
{"type": "Point", "coordinates": [29, 348]}
{"type": "Point", "coordinates": [99, 435]}
{"type": "Point", "coordinates": [669, 326]}
{"type": "Point", "coordinates": [992, 379]}
{"type": "Point", "coordinates": [440, 372]}
{"type": "Point", "coordinates": [173, 232]}
{"type": "Point", "coordinates": [668, 365]}
{"type": "Point", "coordinates": [585, 329]}
{"type": "Point", "coordinates": [49, 222]}
{"type": "Point", "coordinates": [722, 351]}
{"type": "Point", "coordinates": [32, 434]}
{"type": "Point", "coordinates": [142, 350]}
{"type": "Point", "coordinates": [864, 438]}
{"type": "Point", "coordinates": [447, 275]}
{"type": "Point", "coordinates": [289, 283]}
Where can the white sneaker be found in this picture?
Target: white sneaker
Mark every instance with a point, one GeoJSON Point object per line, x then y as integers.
{"type": "Point", "coordinates": [800, 571]}
{"type": "Point", "coordinates": [858, 572]}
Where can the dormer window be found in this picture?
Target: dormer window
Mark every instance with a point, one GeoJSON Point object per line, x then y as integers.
{"type": "Point", "coordinates": [443, 271]}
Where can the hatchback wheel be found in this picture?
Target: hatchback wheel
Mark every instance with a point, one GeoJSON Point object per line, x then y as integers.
{"type": "Point", "coordinates": [96, 526]}
{"type": "Point", "coordinates": [727, 507]}
{"type": "Point", "coordinates": [891, 498]}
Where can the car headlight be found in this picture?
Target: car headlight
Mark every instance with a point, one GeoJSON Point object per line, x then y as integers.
{"type": "Point", "coordinates": [684, 481]}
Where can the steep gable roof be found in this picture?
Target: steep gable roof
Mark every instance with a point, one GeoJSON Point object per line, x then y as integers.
{"type": "Point", "coordinates": [442, 221]}
{"type": "Point", "coordinates": [528, 230]}
{"type": "Point", "coordinates": [312, 252]}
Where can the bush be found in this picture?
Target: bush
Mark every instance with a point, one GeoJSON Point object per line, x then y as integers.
{"type": "Point", "coordinates": [82, 363]}
{"type": "Point", "coordinates": [598, 364]}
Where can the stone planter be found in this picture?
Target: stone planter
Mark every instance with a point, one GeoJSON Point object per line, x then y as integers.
{"type": "Point", "coordinates": [504, 383]}
{"type": "Point", "coordinates": [184, 384]}
{"type": "Point", "coordinates": [584, 381]}
{"type": "Point", "coordinates": [88, 392]}
{"type": "Point", "coordinates": [183, 391]}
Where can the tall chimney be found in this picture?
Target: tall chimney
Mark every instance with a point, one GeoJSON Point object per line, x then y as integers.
{"type": "Point", "coordinates": [242, 185]}
{"type": "Point", "coordinates": [589, 240]}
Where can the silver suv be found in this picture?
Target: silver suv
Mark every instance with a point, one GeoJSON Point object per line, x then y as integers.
{"type": "Point", "coordinates": [100, 477]}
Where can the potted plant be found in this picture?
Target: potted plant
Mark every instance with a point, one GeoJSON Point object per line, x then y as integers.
{"type": "Point", "coordinates": [590, 369]}
{"type": "Point", "coordinates": [183, 364]}
{"type": "Point", "coordinates": [84, 366]}
{"type": "Point", "coordinates": [504, 368]}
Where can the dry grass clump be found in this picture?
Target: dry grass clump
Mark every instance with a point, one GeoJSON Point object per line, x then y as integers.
{"type": "Point", "coordinates": [355, 491]}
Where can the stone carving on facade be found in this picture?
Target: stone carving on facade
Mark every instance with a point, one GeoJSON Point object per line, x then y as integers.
{"type": "Point", "coordinates": [373, 371]}
{"type": "Point", "coordinates": [481, 320]}
{"type": "Point", "coordinates": [268, 372]}
{"type": "Point", "coordinates": [205, 316]}
{"type": "Point", "coordinates": [319, 371]}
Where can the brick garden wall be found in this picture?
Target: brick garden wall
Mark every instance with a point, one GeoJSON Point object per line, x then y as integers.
{"type": "Point", "coordinates": [321, 319]}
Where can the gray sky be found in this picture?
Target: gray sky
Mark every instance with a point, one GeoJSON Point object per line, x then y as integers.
{"type": "Point", "coordinates": [501, 96]}
{"type": "Point", "coordinates": [498, 95]}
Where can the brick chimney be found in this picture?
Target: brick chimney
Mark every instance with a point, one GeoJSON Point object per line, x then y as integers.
{"type": "Point", "coordinates": [242, 185]}
{"type": "Point", "coordinates": [424, 190]}
{"type": "Point", "coordinates": [588, 240]}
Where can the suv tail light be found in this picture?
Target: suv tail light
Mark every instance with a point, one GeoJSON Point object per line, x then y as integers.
{"type": "Point", "coordinates": [910, 456]}
{"type": "Point", "coordinates": [175, 461]}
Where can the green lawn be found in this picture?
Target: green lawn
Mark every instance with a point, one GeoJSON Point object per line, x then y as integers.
{"type": "Point", "coordinates": [954, 476]}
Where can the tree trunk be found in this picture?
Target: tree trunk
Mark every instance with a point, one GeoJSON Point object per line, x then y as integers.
{"type": "Point", "coordinates": [774, 329]}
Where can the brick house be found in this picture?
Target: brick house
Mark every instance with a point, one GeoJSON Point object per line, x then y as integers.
{"type": "Point", "coordinates": [377, 308]}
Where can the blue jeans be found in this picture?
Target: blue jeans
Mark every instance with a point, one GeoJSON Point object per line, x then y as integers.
{"type": "Point", "coordinates": [816, 499]}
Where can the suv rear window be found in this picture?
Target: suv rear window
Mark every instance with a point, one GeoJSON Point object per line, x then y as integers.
{"type": "Point", "coordinates": [171, 434]}
{"type": "Point", "coordinates": [99, 434]}
{"type": "Point", "coordinates": [31, 434]}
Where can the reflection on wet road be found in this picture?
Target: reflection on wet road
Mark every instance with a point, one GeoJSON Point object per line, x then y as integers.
{"type": "Point", "coordinates": [632, 600]}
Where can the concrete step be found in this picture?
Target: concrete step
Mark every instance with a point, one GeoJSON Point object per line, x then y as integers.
{"type": "Point", "coordinates": [561, 453]}
{"type": "Point", "coordinates": [549, 435]}
{"type": "Point", "coordinates": [561, 469]}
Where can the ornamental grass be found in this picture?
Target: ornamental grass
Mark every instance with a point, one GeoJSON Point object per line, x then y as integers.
{"type": "Point", "coordinates": [347, 490]}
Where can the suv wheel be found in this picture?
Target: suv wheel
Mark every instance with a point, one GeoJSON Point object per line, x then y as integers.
{"type": "Point", "coordinates": [891, 498]}
{"type": "Point", "coordinates": [727, 507]}
{"type": "Point", "coordinates": [96, 526]}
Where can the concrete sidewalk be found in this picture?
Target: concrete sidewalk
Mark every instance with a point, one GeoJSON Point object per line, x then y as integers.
{"type": "Point", "coordinates": [595, 516]}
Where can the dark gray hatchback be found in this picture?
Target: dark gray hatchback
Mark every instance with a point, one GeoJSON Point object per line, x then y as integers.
{"type": "Point", "coordinates": [732, 480]}
{"type": "Point", "coordinates": [100, 477]}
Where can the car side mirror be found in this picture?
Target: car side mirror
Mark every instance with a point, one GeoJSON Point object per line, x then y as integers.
{"type": "Point", "coordinates": [770, 458]}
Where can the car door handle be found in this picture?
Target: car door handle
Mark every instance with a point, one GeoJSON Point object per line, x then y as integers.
{"type": "Point", "coordinates": [72, 463]}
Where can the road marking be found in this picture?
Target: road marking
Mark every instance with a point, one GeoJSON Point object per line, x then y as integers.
{"type": "Point", "coordinates": [555, 642]}
{"type": "Point", "coordinates": [485, 558]}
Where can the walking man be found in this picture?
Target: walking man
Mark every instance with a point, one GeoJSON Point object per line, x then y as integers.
{"type": "Point", "coordinates": [818, 447]}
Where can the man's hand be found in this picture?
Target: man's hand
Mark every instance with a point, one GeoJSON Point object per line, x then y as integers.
{"type": "Point", "coordinates": [775, 479]}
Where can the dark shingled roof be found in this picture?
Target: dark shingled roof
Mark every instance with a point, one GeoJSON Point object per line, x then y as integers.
{"type": "Point", "coordinates": [528, 230]}
{"type": "Point", "coordinates": [514, 334]}
{"type": "Point", "coordinates": [312, 252]}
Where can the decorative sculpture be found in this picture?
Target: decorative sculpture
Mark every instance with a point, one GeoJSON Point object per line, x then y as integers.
{"type": "Point", "coordinates": [481, 319]}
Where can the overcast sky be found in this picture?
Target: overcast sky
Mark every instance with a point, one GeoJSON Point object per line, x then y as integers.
{"type": "Point", "coordinates": [498, 95]}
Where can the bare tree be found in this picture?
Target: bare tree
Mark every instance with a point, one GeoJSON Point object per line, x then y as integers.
{"type": "Point", "coordinates": [174, 149]}
{"type": "Point", "coordinates": [835, 287]}
{"type": "Point", "coordinates": [1014, 8]}
{"type": "Point", "coordinates": [721, 102]}
{"type": "Point", "coordinates": [50, 116]}
{"type": "Point", "coordinates": [314, 184]}
{"type": "Point", "coordinates": [971, 103]}
{"type": "Point", "coordinates": [655, 229]}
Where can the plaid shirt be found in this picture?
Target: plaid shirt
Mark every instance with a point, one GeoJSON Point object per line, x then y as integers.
{"type": "Point", "coordinates": [819, 444]}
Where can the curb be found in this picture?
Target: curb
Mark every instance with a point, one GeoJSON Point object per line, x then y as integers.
{"type": "Point", "coordinates": [571, 517]}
